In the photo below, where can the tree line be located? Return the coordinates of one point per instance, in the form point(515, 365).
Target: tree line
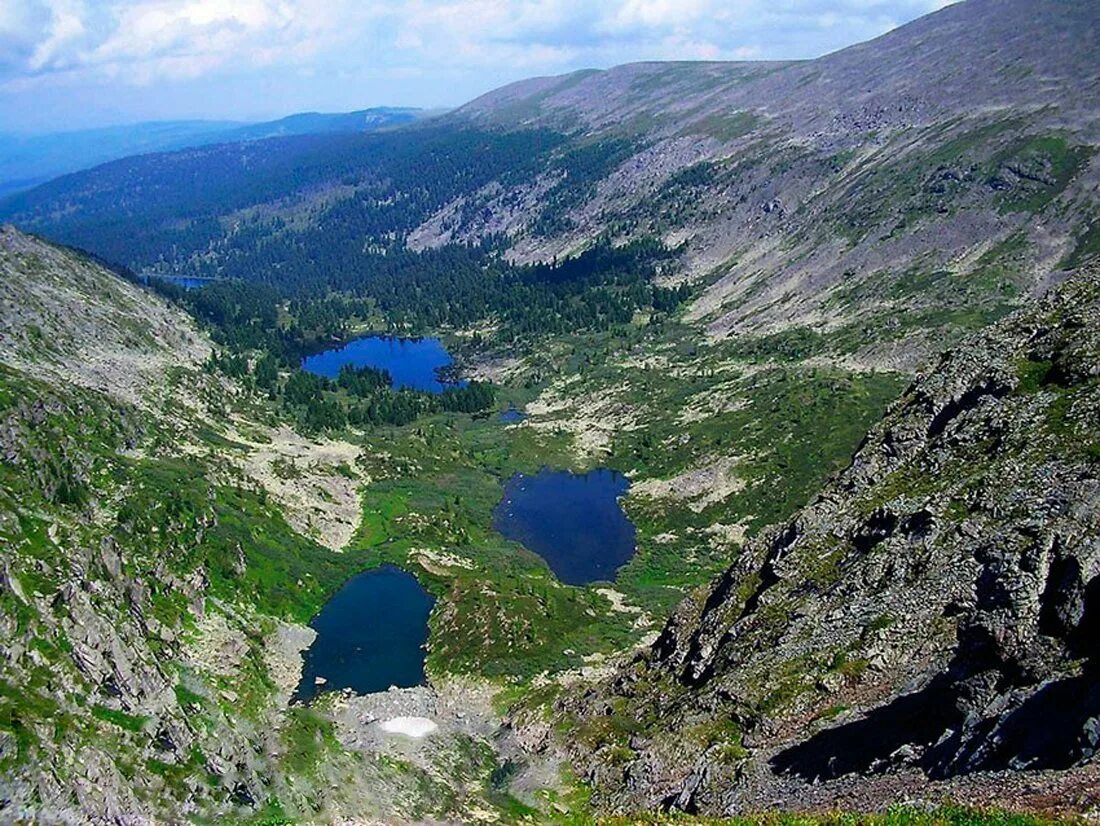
point(269, 326)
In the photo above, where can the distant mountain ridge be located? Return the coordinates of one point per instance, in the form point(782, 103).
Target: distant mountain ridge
point(28, 160)
point(994, 53)
point(871, 204)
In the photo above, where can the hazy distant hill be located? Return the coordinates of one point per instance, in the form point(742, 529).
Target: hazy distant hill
point(28, 160)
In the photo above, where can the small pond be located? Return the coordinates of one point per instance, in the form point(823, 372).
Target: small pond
point(185, 281)
point(370, 635)
point(512, 415)
point(574, 522)
point(412, 362)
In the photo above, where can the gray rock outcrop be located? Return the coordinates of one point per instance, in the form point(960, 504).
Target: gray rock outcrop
point(932, 614)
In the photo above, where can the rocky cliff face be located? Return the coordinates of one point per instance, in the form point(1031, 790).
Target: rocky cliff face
point(930, 618)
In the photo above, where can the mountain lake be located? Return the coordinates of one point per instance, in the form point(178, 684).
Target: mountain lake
point(573, 521)
point(370, 636)
point(411, 362)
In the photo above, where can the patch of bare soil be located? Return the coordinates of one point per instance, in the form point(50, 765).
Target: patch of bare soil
point(314, 480)
point(592, 419)
point(714, 401)
point(725, 536)
point(700, 487)
point(495, 370)
point(619, 605)
point(438, 562)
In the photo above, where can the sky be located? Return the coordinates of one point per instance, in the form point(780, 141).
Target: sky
point(71, 64)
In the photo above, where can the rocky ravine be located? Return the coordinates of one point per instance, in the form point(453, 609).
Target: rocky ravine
point(927, 626)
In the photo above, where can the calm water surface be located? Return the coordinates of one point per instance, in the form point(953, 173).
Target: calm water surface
point(574, 522)
point(412, 362)
point(185, 281)
point(370, 635)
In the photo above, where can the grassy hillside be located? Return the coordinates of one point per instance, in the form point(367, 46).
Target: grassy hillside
point(156, 572)
point(714, 278)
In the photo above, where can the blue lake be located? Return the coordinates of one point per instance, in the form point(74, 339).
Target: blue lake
point(512, 415)
point(574, 522)
point(185, 281)
point(370, 635)
point(412, 362)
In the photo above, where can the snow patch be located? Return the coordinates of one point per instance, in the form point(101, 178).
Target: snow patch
point(409, 726)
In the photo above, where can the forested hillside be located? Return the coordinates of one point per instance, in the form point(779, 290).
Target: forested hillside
point(867, 225)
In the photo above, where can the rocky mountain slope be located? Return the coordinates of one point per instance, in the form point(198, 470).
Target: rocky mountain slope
point(941, 169)
point(67, 320)
point(156, 566)
point(936, 65)
point(925, 627)
point(870, 204)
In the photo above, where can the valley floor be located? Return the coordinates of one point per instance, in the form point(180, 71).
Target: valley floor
point(166, 546)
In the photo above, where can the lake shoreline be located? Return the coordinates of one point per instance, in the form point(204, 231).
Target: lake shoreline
point(371, 635)
point(573, 521)
point(415, 363)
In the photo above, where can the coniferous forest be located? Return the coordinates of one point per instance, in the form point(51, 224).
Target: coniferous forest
point(267, 328)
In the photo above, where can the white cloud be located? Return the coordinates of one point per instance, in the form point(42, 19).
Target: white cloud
point(658, 14)
point(141, 40)
point(22, 26)
point(66, 27)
